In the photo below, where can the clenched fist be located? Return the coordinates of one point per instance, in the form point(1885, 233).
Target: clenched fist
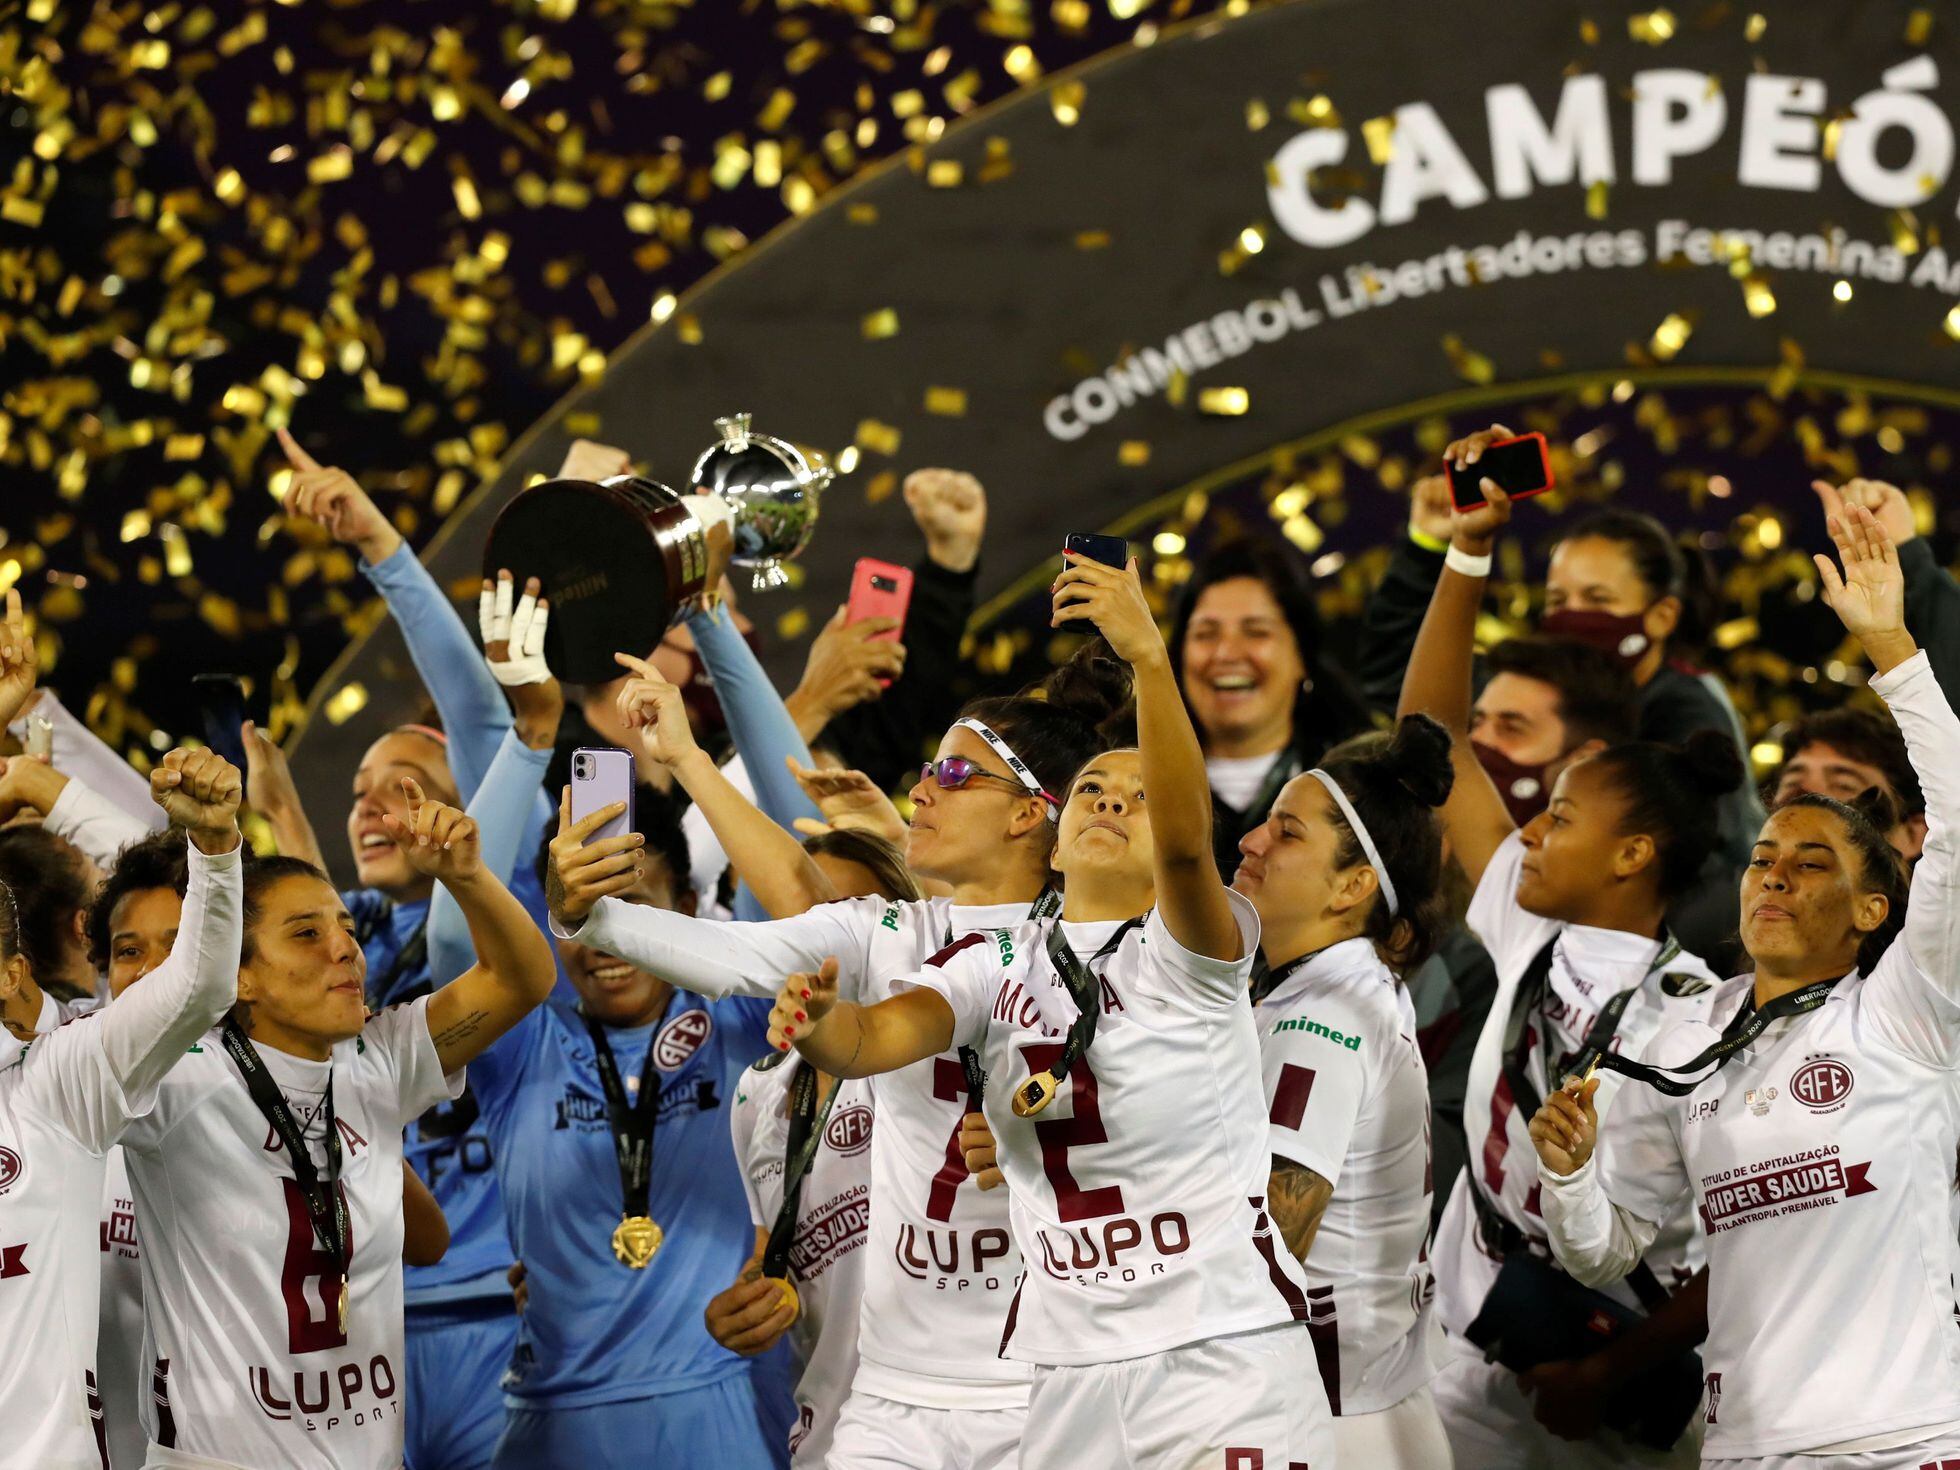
point(950, 507)
point(200, 790)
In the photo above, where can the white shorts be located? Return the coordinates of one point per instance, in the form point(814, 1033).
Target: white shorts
point(1490, 1426)
point(882, 1434)
point(1928, 1454)
point(1405, 1436)
point(1251, 1401)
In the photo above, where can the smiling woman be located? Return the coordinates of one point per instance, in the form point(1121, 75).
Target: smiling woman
point(1245, 644)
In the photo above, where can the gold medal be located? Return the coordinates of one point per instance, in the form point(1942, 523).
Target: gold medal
point(636, 1240)
point(1035, 1094)
point(343, 1306)
point(789, 1295)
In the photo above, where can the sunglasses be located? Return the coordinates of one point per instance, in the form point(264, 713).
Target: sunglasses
point(954, 771)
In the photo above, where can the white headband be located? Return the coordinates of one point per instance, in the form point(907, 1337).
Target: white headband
point(1015, 764)
point(1360, 830)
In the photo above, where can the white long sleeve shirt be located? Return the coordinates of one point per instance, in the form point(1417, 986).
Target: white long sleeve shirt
point(1820, 1165)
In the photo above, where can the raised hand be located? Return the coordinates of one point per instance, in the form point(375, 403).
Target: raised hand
point(655, 708)
point(513, 643)
point(950, 507)
point(19, 663)
point(1887, 502)
point(848, 665)
point(1869, 596)
point(199, 790)
point(28, 784)
point(269, 785)
point(977, 1148)
point(750, 1316)
point(330, 497)
point(1112, 599)
point(850, 802)
point(439, 841)
point(587, 460)
point(804, 1000)
point(1430, 507)
point(581, 873)
point(1565, 1129)
point(1474, 530)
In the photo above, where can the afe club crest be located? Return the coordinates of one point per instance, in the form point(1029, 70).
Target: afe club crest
point(11, 1168)
point(1821, 1084)
point(680, 1039)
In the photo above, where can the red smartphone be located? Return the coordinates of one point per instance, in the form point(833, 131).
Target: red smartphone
point(1522, 468)
point(879, 590)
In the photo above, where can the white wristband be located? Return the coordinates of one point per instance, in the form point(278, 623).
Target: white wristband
point(1464, 564)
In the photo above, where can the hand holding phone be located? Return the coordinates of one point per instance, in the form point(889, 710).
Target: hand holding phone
point(1111, 551)
point(1519, 465)
point(880, 590)
point(602, 775)
point(221, 707)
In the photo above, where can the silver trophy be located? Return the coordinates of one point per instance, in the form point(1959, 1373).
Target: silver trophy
point(771, 488)
point(622, 558)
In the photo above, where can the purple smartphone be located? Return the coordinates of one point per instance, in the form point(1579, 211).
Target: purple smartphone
point(601, 776)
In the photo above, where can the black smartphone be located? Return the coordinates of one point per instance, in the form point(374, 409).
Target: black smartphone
point(221, 705)
point(1521, 467)
point(1111, 551)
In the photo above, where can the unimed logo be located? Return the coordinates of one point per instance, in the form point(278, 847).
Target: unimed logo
point(1821, 1084)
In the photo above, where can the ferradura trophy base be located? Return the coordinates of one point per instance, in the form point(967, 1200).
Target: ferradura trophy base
point(619, 559)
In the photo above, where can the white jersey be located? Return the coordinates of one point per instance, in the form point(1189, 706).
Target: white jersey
point(249, 1366)
point(121, 1377)
point(1138, 1196)
point(1589, 967)
point(1820, 1163)
point(826, 1257)
point(64, 1101)
point(941, 1267)
point(1348, 1098)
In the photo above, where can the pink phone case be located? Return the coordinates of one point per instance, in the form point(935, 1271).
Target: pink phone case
point(601, 776)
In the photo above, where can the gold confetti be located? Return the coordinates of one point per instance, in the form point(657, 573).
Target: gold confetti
point(1757, 296)
point(1133, 452)
point(1919, 27)
point(1379, 134)
point(346, 702)
point(944, 173)
point(1471, 366)
point(1092, 240)
point(1670, 336)
point(1256, 115)
point(1757, 24)
point(1224, 402)
point(1065, 100)
point(1651, 27)
point(876, 437)
point(880, 323)
point(946, 402)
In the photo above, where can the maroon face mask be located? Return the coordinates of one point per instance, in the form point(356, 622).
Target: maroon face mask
point(1524, 790)
point(1622, 636)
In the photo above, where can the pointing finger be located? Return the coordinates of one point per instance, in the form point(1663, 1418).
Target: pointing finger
point(297, 457)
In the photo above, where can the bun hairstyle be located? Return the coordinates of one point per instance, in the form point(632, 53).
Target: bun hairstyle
point(1395, 783)
point(1058, 724)
point(1672, 794)
point(1866, 821)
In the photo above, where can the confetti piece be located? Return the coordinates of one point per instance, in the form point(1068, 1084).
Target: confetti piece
point(877, 437)
point(1224, 402)
point(1065, 100)
point(1670, 336)
point(1651, 27)
point(1133, 452)
point(946, 402)
point(879, 324)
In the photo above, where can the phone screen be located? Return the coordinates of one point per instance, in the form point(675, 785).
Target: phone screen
point(1111, 551)
point(1518, 466)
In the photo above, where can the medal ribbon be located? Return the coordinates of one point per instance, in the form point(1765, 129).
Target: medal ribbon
point(326, 1205)
point(631, 1122)
point(1746, 1025)
point(806, 1127)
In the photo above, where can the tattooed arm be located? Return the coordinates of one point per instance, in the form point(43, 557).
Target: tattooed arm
point(1296, 1198)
